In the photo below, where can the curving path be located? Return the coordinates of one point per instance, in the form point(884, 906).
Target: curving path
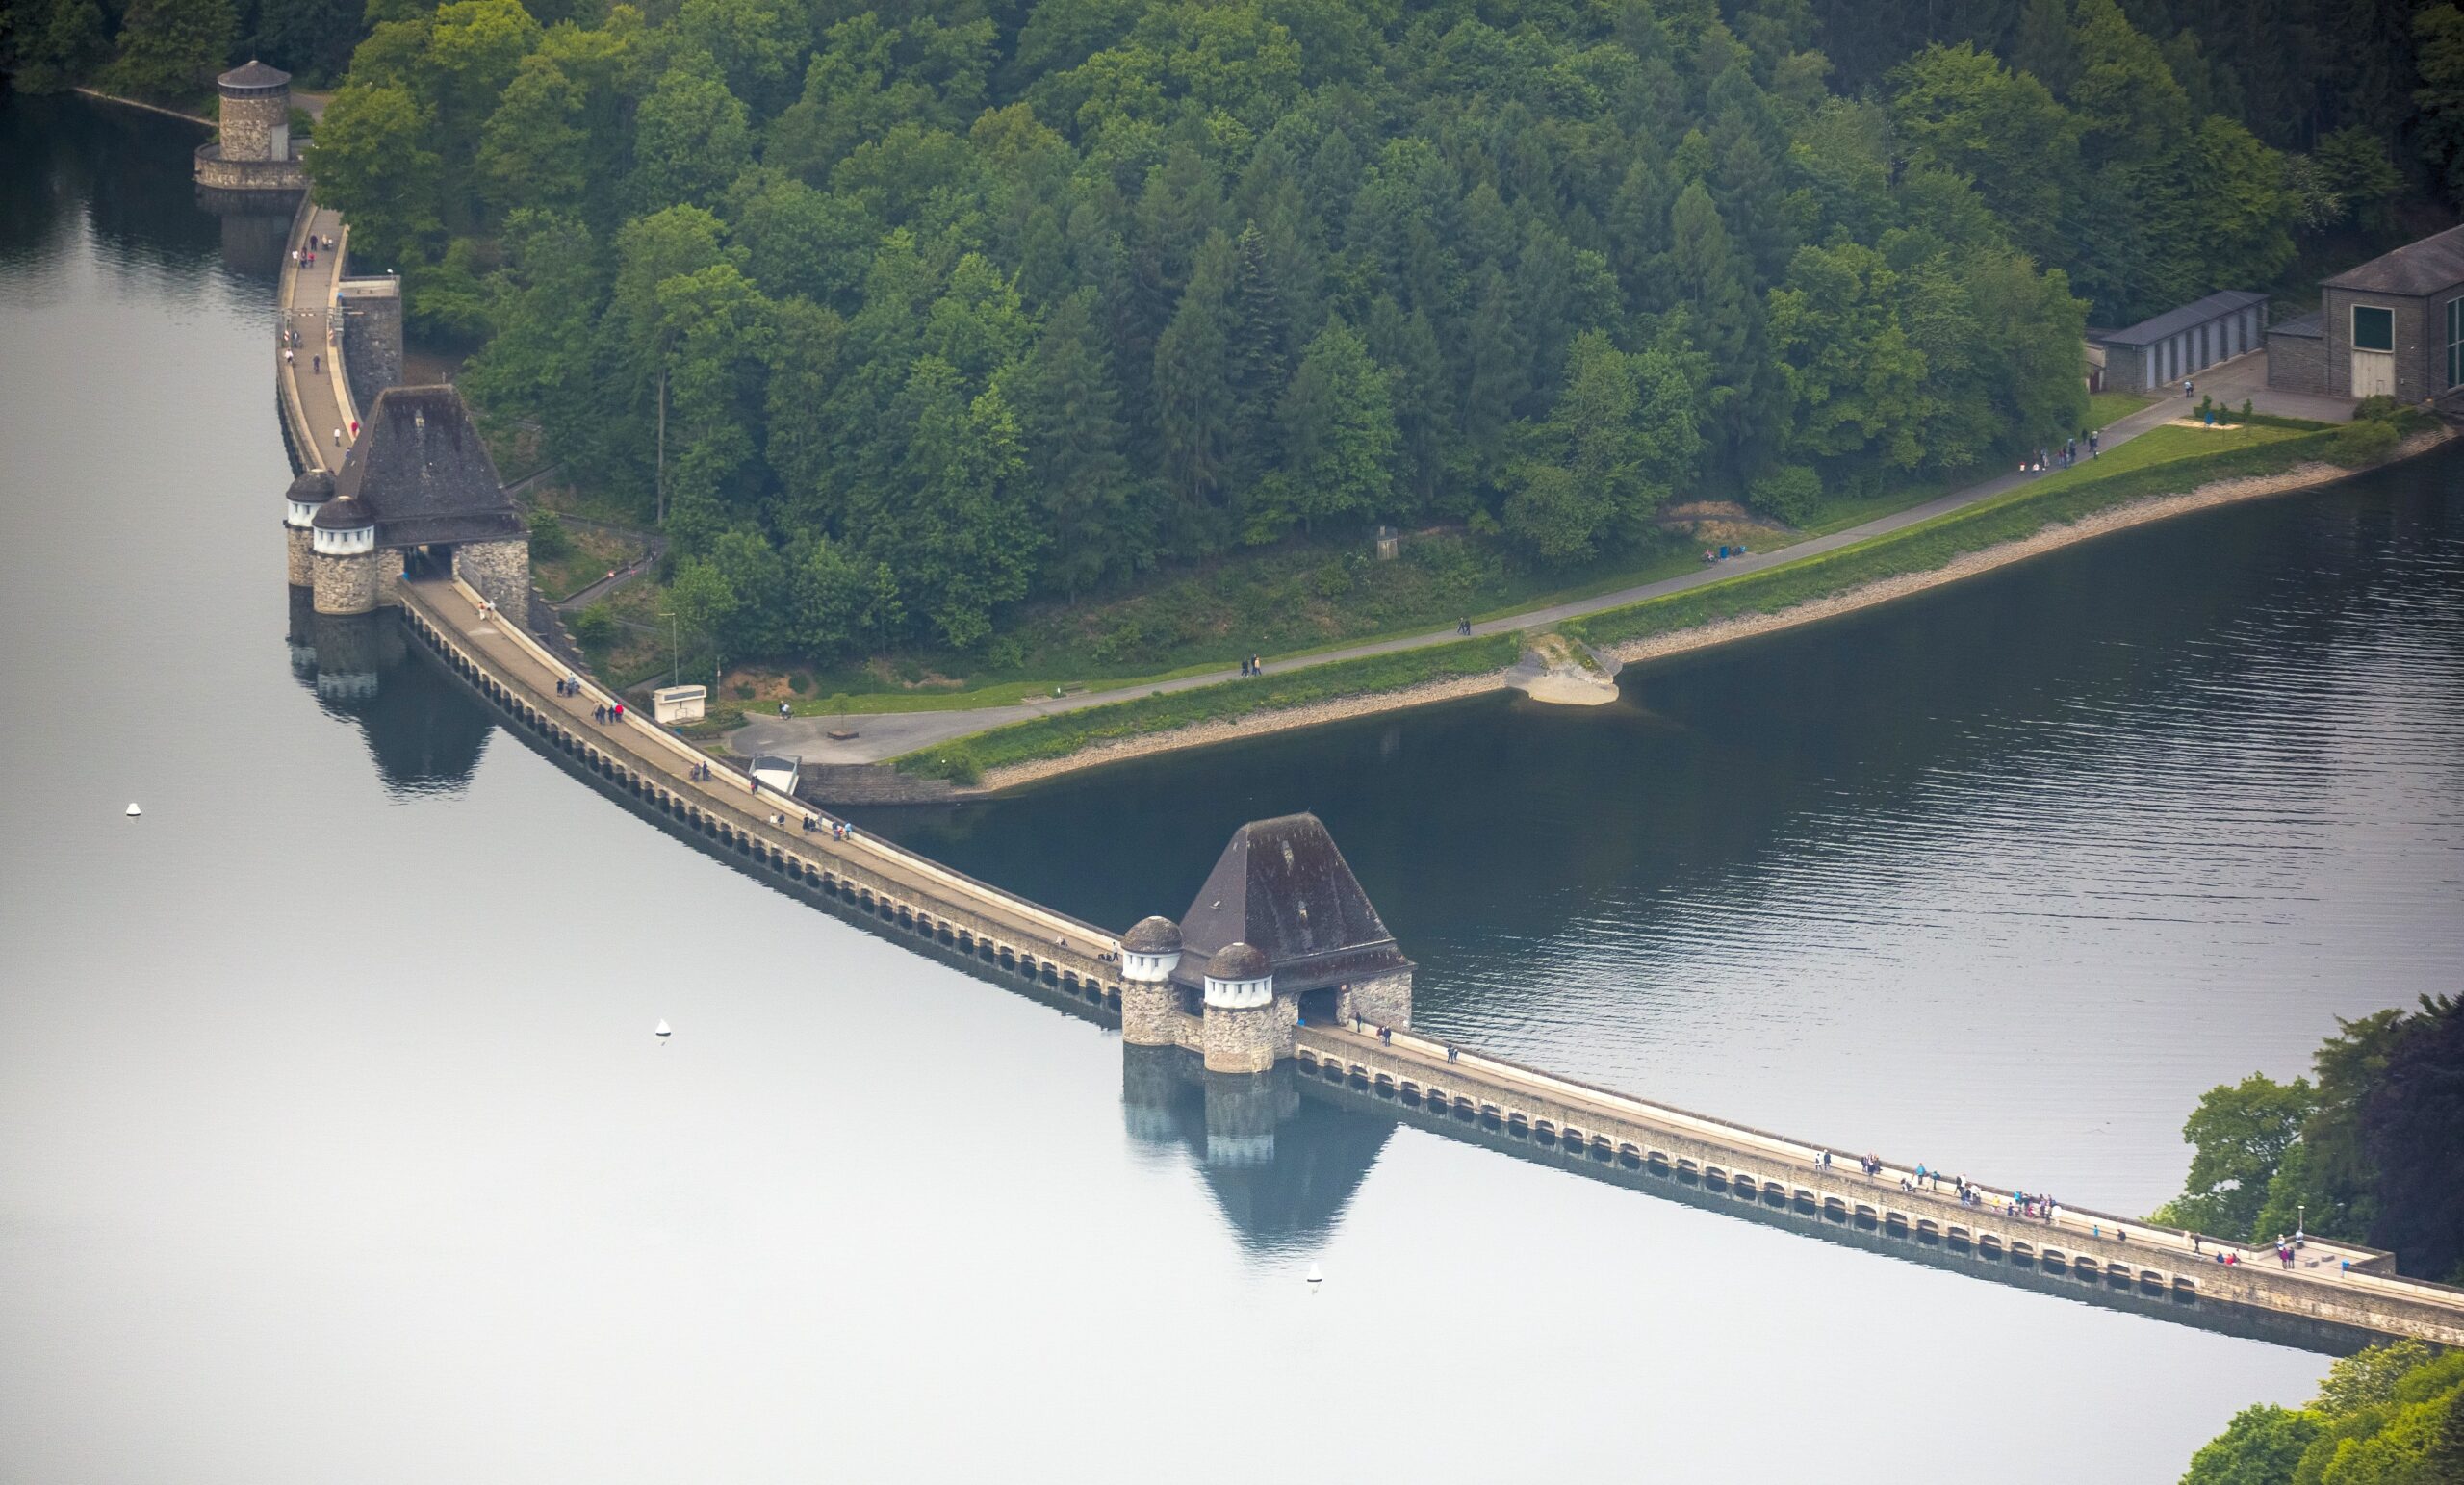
point(882, 735)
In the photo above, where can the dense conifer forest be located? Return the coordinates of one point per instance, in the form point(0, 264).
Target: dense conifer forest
point(898, 315)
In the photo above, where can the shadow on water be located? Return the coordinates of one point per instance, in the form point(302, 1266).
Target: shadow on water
point(1283, 1153)
point(425, 731)
point(1282, 1168)
point(1928, 1250)
point(126, 172)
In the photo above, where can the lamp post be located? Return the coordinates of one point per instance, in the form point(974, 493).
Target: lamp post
point(669, 615)
point(2300, 1224)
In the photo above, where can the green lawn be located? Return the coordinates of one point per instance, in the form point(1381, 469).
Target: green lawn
point(2107, 408)
point(2163, 446)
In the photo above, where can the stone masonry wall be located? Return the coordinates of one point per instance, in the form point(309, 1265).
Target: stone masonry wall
point(1147, 1012)
point(500, 569)
point(1385, 1001)
point(371, 344)
point(298, 561)
point(248, 124)
point(1245, 1040)
point(2297, 363)
point(346, 585)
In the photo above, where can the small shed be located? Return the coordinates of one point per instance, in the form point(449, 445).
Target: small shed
point(679, 703)
point(2183, 341)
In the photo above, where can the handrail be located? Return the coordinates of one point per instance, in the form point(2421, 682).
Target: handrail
point(1103, 941)
point(334, 331)
point(1574, 1090)
point(287, 373)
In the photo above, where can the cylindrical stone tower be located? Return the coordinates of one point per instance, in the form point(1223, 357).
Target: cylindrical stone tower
point(1148, 955)
point(301, 504)
point(1239, 1031)
point(256, 113)
point(343, 560)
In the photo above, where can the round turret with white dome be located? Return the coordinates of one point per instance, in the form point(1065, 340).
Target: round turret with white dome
point(1238, 978)
point(307, 493)
point(1151, 951)
point(343, 527)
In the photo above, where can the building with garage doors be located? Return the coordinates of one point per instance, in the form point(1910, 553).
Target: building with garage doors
point(2393, 326)
point(2181, 342)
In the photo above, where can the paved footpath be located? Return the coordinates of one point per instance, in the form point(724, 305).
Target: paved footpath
point(313, 377)
point(882, 735)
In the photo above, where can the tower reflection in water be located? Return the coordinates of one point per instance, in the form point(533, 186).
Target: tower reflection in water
point(426, 732)
point(1281, 1165)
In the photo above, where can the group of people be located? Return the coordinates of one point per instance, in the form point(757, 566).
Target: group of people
point(1722, 554)
point(611, 712)
point(570, 685)
point(699, 773)
point(2067, 456)
point(1253, 666)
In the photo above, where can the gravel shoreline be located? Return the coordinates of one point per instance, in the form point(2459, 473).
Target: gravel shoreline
point(2161, 507)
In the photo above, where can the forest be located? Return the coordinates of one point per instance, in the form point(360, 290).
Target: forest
point(897, 317)
point(2391, 1415)
point(2366, 1153)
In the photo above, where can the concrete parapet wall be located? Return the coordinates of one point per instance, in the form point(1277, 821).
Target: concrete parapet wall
point(871, 878)
point(1752, 1163)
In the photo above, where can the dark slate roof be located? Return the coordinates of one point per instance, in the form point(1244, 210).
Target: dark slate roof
point(1283, 887)
point(346, 514)
point(2173, 321)
point(310, 487)
point(2307, 326)
point(1238, 962)
point(253, 74)
point(2428, 267)
point(420, 466)
point(1153, 936)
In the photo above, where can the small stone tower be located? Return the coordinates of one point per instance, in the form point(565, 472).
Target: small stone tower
point(1241, 1031)
point(306, 496)
point(253, 150)
point(1149, 953)
point(343, 560)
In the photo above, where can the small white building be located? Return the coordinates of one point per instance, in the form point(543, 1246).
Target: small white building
point(671, 704)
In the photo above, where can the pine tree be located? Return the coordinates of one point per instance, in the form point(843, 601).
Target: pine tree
point(1068, 421)
point(1256, 360)
point(1196, 410)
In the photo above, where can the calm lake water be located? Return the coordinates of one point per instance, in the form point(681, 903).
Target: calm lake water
point(333, 1142)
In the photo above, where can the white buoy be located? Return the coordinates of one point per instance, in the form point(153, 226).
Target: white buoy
point(133, 810)
point(663, 1033)
point(1317, 1276)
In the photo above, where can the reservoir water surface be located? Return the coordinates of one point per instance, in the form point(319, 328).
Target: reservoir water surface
point(334, 1143)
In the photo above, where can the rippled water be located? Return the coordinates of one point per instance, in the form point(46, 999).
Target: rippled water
point(333, 1145)
point(1998, 877)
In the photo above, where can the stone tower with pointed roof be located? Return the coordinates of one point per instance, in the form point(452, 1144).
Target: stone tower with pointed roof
point(416, 489)
point(1280, 931)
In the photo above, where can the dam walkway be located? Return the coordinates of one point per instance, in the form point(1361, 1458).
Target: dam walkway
point(784, 838)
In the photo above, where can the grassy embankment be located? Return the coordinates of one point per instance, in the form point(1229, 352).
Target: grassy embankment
point(2161, 462)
